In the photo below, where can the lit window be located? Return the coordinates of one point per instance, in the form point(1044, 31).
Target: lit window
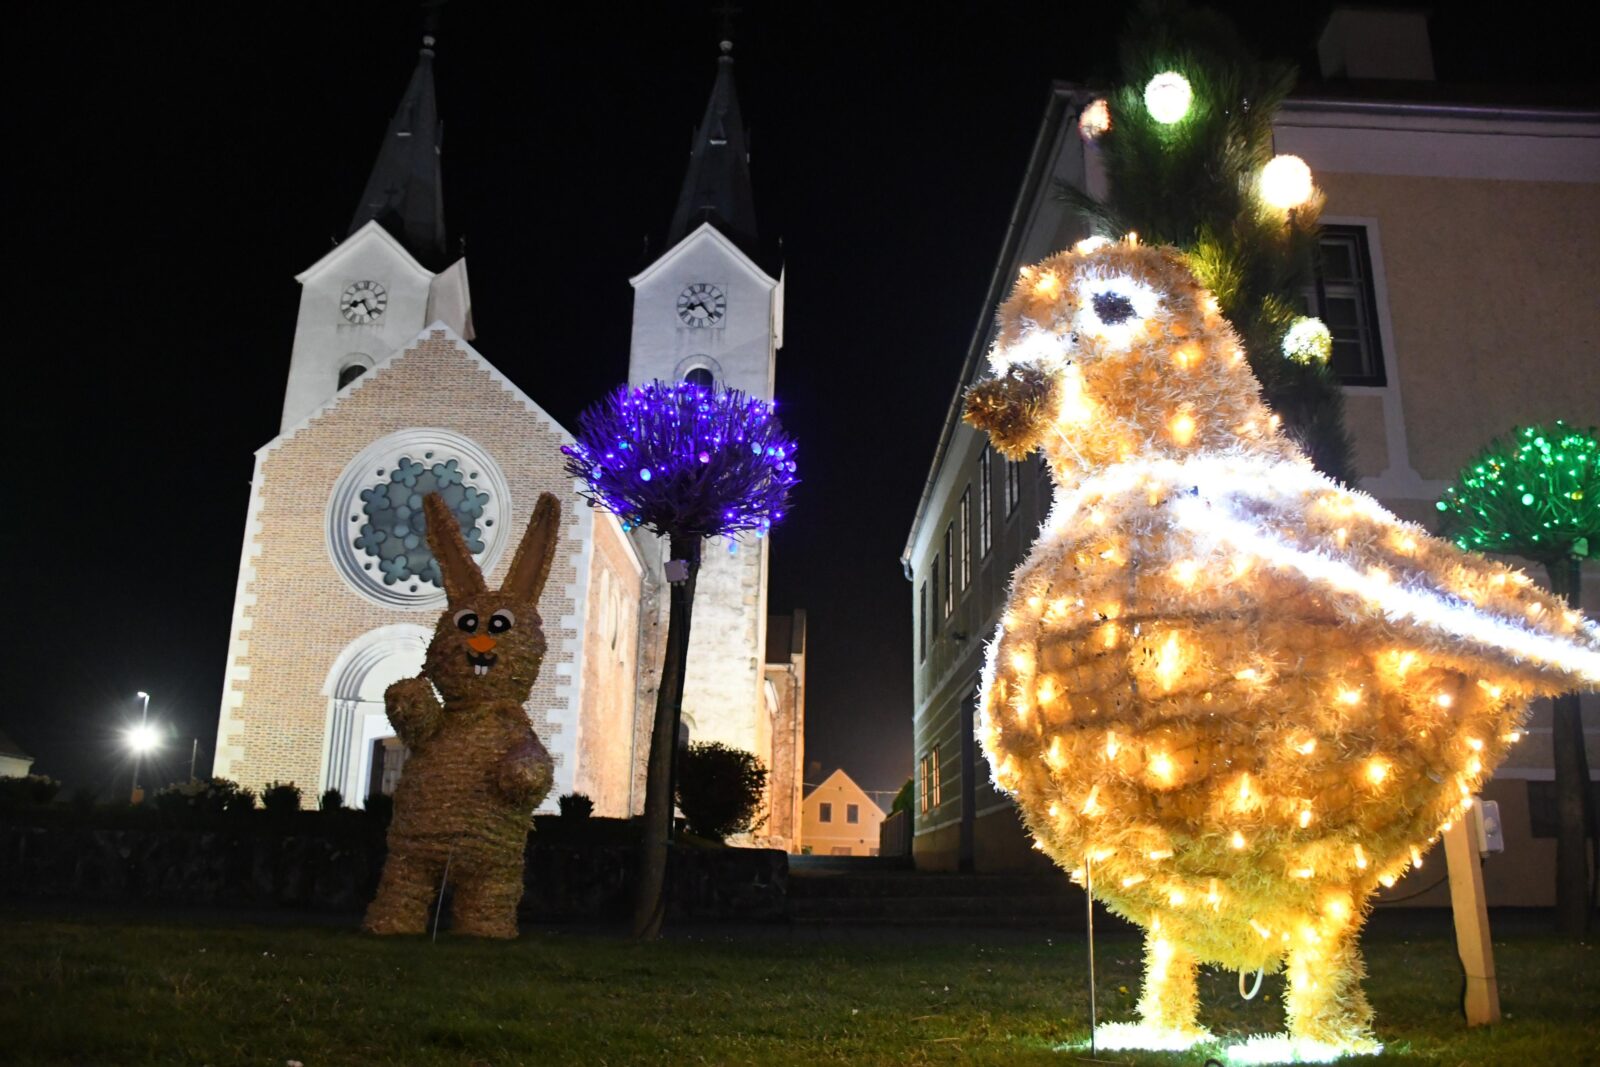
point(966, 538)
point(949, 569)
point(825, 812)
point(922, 623)
point(985, 502)
point(1344, 298)
point(852, 813)
point(1013, 487)
point(933, 774)
point(922, 785)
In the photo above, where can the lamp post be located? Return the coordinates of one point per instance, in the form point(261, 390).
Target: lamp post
point(141, 739)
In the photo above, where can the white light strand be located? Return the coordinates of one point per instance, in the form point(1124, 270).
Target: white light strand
point(1210, 512)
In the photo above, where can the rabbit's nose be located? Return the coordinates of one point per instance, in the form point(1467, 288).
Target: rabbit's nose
point(480, 644)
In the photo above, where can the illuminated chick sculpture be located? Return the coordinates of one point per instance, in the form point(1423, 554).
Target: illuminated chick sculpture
point(1237, 694)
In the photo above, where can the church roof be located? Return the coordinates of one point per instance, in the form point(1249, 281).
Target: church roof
point(404, 193)
point(716, 187)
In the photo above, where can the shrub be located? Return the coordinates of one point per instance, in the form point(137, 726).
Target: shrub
point(720, 790)
point(380, 808)
point(242, 802)
point(902, 799)
point(575, 806)
point(208, 796)
point(33, 791)
point(280, 798)
point(332, 800)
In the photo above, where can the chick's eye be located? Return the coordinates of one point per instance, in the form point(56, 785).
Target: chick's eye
point(1113, 309)
point(467, 620)
point(501, 621)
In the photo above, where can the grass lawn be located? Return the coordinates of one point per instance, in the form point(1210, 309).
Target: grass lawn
point(127, 991)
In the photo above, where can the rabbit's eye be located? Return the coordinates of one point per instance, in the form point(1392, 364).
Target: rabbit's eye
point(467, 620)
point(501, 621)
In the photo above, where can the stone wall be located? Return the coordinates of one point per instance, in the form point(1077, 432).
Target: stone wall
point(262, 868)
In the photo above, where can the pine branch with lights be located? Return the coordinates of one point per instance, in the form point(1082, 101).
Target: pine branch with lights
point(1187, 144)
point(687, 463)
point(1232, 694)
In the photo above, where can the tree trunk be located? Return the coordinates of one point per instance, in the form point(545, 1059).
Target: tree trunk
point(1572, 784)
point(649, 902)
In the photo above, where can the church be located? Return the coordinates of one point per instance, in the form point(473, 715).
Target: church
point(388, 399)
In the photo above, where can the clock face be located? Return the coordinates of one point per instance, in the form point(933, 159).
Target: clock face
point(363, 302)
point(702, 304)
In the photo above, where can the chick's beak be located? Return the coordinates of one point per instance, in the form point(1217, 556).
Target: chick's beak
point(1013, 410)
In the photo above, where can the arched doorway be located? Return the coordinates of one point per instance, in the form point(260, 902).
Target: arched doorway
point(357, 723)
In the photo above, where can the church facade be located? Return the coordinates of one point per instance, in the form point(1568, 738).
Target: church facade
point(388, 400)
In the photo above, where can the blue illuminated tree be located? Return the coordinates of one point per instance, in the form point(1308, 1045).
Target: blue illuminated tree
point(688, 463)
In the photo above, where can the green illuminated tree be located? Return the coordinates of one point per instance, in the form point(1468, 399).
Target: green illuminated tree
point(1536, 494)
point(1194, 181)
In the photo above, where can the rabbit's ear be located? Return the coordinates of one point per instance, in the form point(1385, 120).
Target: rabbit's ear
point(531, 565)
point(460, 572)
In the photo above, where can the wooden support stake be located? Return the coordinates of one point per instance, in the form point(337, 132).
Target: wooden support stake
point(1471, 912)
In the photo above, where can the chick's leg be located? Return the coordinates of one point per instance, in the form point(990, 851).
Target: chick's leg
point(1324, 1001)
point(1170, 999)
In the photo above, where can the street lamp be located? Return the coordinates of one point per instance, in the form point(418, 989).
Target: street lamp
point(141, 739)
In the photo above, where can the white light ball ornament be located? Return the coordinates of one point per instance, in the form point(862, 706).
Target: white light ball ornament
point(1286, 182)
point(1167, 97)
point(1095, 120)
point(1308, 341)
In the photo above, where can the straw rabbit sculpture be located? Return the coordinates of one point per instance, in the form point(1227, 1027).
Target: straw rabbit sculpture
point(476, 769)
point(1230, 693)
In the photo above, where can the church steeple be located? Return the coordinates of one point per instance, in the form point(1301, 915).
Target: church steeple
point(404, 193)
point(716, 188)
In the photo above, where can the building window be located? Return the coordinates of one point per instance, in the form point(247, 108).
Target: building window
point(985, 502)
point(1013, 487)
point(825, 812)
point(1344, 298)
point(700, 376)
point(350, 373)
point(852, 813)
point(966, 538)
point(922, 785)
point(922, 623)
point(933, 774)
point(949, 568)
point(936, 600)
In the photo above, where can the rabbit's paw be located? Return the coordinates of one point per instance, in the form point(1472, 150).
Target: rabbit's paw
point(413, 709)
point(526, 773)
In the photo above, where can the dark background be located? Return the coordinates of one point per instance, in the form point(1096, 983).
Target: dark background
point(173, 166)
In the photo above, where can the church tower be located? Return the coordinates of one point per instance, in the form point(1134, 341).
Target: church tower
point(710, 309)
point(378, 287)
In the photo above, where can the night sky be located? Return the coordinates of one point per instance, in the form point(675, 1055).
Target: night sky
point(173, 167)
